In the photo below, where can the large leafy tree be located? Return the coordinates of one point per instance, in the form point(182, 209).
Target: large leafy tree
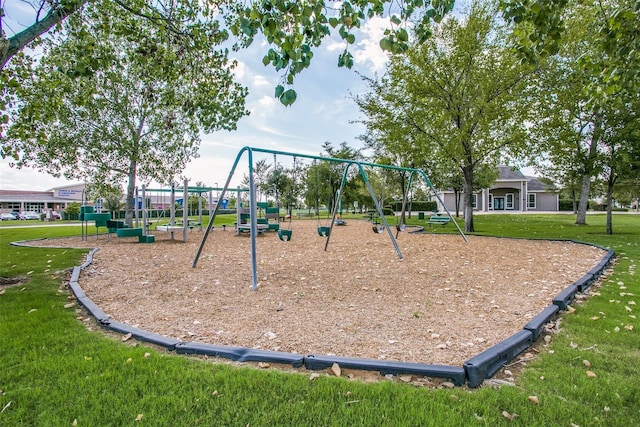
point(620, 156)
point(586, 114)
point(569, 128)
point(459, 99)
point(138, 115)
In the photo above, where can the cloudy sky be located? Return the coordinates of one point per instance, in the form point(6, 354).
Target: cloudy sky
point(324, 111)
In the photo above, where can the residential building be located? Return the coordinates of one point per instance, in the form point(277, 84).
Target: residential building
point(511, 192)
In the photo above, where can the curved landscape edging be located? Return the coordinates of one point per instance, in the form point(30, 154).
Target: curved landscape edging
point(473, 372)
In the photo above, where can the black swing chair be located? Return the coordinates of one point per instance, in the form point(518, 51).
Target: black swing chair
point(323, 230)
point(285, 235)
point(377, 227)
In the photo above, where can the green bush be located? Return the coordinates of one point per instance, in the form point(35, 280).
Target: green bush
point(565, 205)
point(71, 212)
point(418, 205)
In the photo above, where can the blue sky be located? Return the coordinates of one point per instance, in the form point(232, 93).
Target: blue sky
point(323, 111)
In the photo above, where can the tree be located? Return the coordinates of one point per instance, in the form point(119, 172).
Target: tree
point(580, 109)
point(113, 204)
point(569, 129)
point(461, 99)
point(621, 152)
point(334, 172)
point(138, 117)
point(261, 170)
point(542, 27)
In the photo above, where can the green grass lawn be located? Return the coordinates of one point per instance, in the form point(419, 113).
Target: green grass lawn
point(56, 369)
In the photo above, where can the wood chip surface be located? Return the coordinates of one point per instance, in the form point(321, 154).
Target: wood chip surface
point(443, 303)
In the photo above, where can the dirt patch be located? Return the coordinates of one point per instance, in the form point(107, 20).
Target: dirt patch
point(443, 303)
point(11, 281)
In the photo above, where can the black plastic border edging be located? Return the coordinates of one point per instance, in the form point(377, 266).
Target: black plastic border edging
point(240, 354)
point(564, 298)
point(536, 324)
point(487, 363)
point(455, 374)
point(75, 287)
point(94, 310)
point(142, 335)
point(475, 370)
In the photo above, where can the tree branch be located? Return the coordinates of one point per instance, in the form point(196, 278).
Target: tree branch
point(17, 42)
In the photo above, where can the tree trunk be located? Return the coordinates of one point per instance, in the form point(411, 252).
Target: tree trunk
point(581, 216)
point(589, 168)
point(609, 207)
point(610, 185)
point(131, 187)
point(467, 171)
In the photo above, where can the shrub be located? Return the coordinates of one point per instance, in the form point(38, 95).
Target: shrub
point(417, 205)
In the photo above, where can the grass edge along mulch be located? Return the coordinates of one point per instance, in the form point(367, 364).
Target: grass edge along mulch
point(54, 371)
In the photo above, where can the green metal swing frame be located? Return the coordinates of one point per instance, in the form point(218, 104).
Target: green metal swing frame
point(350, 163)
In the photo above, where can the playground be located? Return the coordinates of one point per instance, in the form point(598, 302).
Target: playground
point(442, 303)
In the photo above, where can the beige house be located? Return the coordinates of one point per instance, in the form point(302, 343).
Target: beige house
point(511, 192)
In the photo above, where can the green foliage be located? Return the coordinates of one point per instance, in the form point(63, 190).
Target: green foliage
point(457, 105)
point(113, 203)
point(118, 98)
point(586, 135)
point(539, 26)
point(565, 205)
point(294, 29)
point(417, 205)
point(72, 210)
point(543, 25)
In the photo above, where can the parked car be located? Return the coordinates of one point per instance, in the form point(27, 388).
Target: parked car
point(15, 214)
point(7, 217)
point(29, 215)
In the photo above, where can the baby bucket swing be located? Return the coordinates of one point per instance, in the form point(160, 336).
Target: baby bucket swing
point(285, 235)
point(323, 230)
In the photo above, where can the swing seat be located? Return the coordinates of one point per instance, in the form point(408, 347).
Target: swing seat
point(401, 227)
point(284, 235)
point(324, 231)
point(378, 229)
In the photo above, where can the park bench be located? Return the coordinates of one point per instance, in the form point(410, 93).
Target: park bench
point(439, 220)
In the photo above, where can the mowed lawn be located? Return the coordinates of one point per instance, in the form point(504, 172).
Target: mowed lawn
point(58, 369)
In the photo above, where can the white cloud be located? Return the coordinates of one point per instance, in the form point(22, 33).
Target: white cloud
point(240, 71)
point(260, 80)
point(368, 48)
point(366, 51)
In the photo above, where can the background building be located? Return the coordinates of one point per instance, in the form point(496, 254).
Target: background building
point(512, 191)
point(55, 199)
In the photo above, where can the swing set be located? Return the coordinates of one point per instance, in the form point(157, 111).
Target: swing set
point(323, 230)
point(285, 235)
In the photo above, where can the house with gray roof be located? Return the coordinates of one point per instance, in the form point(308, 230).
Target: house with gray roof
point(511, 192)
